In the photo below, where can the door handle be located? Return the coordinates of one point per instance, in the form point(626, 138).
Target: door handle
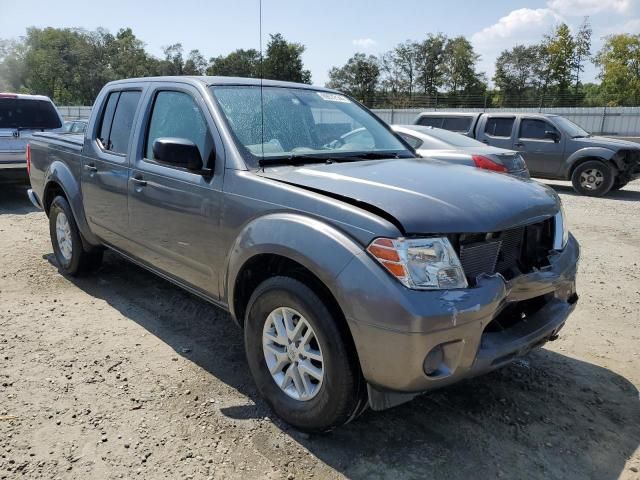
point(138, 181)
point(518, 144)
point(91, 168)
point(485, 141)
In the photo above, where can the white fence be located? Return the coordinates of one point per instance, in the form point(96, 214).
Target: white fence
point(619, 121)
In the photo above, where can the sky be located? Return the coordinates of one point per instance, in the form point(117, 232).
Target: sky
point(331, 30)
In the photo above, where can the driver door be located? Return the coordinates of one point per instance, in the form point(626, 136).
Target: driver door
point(543, 153)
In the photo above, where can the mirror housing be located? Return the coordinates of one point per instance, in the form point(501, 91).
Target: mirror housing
point(177, 152)
point(550, 134)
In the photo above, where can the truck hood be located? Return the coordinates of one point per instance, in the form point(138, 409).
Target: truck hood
point(428, 197)
point(607, 142)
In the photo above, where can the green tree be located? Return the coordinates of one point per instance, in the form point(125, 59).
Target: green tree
point(619, 62)
point(515, 74)
point(460, 67)
point(173, 62)
point(12, 68)
point(239, 63)
point(406, 57)
point(430, 63)
point(582, 50)
point(283, 60)
point(126, 56)
point(560, 48)
point(359, 77)
point(195, 64)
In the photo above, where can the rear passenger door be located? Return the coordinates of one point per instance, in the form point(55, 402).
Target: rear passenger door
point(173, 212)
point(541, 145)
point(497, 131)
point(105, 166)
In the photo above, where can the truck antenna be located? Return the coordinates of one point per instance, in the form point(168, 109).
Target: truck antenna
point(261, 89)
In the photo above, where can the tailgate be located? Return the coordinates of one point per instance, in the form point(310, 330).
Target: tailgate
point(12, 141)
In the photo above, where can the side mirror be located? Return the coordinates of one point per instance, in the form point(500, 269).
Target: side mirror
point(177, 152)
point(552, 135)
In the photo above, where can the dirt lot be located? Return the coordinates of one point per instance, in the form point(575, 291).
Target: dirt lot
point(122, 375)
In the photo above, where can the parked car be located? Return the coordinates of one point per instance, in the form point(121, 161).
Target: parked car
point(74, 126)
point(20, 116)
point(361, 275)
point(439, 144)
point(552, 146)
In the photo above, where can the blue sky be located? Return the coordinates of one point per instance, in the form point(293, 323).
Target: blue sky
point(331, 30)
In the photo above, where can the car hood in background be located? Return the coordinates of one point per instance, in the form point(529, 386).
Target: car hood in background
point(606, 142)
point(429, 197)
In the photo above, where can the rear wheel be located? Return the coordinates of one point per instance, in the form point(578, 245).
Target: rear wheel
point(66, 240)
point(300, 358)
point(592, 178)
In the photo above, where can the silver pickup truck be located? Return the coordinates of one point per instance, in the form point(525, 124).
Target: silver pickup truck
point(552, 146)
point(361, 274)
point(20, 117)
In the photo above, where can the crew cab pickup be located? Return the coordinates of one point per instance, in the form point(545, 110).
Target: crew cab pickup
point(361, 274)
point(552, 146)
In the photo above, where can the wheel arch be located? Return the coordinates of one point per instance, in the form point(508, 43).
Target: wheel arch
point(599, 154)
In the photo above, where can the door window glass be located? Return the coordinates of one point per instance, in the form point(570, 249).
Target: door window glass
point(107, 119)
point(123, 121)
point(430, 121)
point(457, 124)
point(499, 127)
point(176, 114)
point(535, 129)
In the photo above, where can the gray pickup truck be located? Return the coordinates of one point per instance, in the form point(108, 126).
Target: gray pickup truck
point(552, 146)
point(361, 275)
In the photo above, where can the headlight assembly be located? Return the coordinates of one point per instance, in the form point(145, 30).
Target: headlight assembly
point(420, 263)
point(561, 234)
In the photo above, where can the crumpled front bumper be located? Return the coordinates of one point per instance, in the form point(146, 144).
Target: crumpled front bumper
point(394, 328)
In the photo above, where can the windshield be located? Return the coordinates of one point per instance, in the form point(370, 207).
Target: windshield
point(23, 113)
point(300, 123)
point(448, 138)
point(570, 128)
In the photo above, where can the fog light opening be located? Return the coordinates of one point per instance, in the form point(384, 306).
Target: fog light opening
point(434, 362)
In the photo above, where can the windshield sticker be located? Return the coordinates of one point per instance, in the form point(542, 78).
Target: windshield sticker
point(333, 97)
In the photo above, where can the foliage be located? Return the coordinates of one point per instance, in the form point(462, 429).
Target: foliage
point(283, 61)
point(239, 63)
point(359, 77)
point(619, 61)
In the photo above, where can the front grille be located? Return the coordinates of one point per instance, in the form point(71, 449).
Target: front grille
point(510, 252)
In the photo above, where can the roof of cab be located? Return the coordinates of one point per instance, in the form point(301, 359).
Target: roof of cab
point(24, 96)
point(210, 80)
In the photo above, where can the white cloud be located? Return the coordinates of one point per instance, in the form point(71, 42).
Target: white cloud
point(524, 26)
point(580, 8)
point(365, 43)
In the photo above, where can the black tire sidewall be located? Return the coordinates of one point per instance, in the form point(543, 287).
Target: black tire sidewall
point(607, 184)
point(72, 267)
point(332, 405)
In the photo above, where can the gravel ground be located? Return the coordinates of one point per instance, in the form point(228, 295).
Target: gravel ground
point(122, 375)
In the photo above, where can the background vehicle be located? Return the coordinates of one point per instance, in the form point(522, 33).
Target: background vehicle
point(348, 264)
point(74, 126)
point(447, 146)
point(552, 146)
point(20, 116)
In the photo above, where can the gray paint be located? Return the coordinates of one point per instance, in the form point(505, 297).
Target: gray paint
point(200, 232)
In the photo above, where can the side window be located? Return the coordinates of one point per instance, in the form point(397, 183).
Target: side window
point(457, 124)
point(430, 122)
point(123, 121)
point(411, 140)
point(176, 114)
point(499, 127)
point(107, 119)
point(535, 129)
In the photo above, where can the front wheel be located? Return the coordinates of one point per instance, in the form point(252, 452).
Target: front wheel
point(300, 358)
point(593, 178)
point(66, 241)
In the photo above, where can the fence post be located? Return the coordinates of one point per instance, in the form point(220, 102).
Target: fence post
point(436, 107)
point(392, 115)
point(604, 118)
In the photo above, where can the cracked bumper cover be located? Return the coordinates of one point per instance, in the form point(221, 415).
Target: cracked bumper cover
point(394, 328)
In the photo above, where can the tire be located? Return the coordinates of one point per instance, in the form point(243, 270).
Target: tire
point(339, 396)
point(618, 185)
point(592, 178)
point(72, 258)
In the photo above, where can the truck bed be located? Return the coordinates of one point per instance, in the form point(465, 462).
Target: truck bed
point(71, 141)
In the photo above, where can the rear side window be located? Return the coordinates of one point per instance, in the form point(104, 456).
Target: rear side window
point(499, 127)
point(535, 129)
point(457, 124)
point(123, 121)
point(23, 113)
point(117, 120)
point(176, 114)
point(430, 122)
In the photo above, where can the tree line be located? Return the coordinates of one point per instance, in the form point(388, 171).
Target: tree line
point(72, 65)
point(442, 71)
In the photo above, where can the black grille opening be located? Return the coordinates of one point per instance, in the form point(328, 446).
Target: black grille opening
point(510, 252)
point(515, 313)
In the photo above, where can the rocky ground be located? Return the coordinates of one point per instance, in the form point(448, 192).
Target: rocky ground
point(122, 375)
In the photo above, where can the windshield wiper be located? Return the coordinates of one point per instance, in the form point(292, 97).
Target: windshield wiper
point(295, 159)
point(372, 156)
